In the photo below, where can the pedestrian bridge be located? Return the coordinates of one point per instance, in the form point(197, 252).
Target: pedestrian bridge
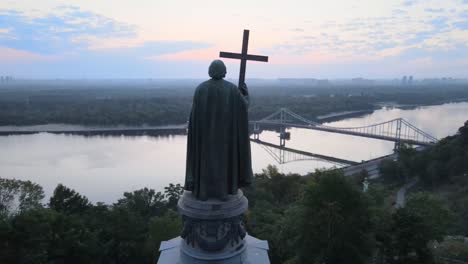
point(396, 130)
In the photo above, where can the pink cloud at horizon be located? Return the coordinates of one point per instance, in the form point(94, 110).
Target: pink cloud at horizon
point(206, 55)
point(15, 55)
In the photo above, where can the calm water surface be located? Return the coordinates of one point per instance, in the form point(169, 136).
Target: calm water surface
point(102, 168)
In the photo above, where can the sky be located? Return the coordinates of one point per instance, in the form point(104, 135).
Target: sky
point(331, 39)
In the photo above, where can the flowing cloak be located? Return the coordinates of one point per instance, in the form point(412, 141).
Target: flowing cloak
point(218, 144)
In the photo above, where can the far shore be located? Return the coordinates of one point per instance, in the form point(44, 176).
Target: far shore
point(178, 128)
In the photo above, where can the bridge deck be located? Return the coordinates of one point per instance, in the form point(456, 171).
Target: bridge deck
point(345, 132)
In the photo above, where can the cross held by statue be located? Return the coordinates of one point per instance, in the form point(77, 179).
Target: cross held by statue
point(243, 56)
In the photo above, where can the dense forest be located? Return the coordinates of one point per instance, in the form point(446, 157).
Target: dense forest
point(322, 217)
point(152, 103)
point(69, 229)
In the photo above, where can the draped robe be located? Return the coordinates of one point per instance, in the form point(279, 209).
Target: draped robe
point(218, 144)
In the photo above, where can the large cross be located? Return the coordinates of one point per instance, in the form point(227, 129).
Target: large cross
point(243, 56)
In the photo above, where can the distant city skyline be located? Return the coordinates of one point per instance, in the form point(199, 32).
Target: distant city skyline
point(374, 39)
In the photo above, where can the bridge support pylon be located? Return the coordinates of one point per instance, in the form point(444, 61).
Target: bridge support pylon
point(256, 131)
point(284, 136)
point(397, 146)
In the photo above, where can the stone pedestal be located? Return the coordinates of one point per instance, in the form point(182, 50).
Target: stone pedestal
point(213, 232)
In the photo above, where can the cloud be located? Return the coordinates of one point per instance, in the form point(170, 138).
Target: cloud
point(409, 2)
point(189, 55)
point(441, 55)
point(461, 24)
point(419, 37)
point(69, 41)
point(5, 30)
point(398, 39)
point(75, 42)
point(55, 33)
point(154, 48)
point(131, 62)
point(399, 12)
point(73, 31)
point(434, 10)
point(439, 23)
point(10, 55)
point(384, 45)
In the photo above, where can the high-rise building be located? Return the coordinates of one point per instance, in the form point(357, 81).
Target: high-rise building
point(404, 81)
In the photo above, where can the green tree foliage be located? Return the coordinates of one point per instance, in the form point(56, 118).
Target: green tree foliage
point(160, 229)
point(435, 165)
point(306, 219)
point(145, 202)
point(173, 193)
point(442, 169)
point(454, 248)
point(47, 236)
point(408, 234)
point(330, 220)
point(463, 131)
point(459, 207)
point(72, 230)
point(335, 225)
point(400, 170)
point(435, 212)
point(68, 201)
point(425, 218)
point(273, 200)
point(17, 195)
point(391, 171)
point(108, 104)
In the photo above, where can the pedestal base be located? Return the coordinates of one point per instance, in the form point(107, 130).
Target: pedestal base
point(214, 227)
point(213, 232)
point(255, 252)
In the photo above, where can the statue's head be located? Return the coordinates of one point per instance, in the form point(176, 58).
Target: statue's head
point(217, 70)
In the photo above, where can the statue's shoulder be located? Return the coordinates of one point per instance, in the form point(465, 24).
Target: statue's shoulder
point(202, 86)
point(229, 84)
point(224, 85)
point(212, 82)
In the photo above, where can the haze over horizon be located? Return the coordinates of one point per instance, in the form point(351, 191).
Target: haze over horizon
point(45, 39)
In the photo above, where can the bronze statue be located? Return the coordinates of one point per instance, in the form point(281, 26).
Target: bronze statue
point(218, 145)
point(218, 164)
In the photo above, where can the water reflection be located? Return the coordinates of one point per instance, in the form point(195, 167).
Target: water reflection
point(102, 168)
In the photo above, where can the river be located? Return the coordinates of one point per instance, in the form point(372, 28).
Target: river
point(103, 167)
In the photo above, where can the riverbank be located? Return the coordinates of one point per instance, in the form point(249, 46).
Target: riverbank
point(342, 115)
point(410, 106)
point(83, 130)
